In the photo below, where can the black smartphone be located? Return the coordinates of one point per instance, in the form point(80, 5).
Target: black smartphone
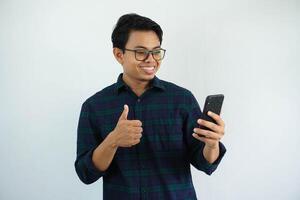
point(212, 103)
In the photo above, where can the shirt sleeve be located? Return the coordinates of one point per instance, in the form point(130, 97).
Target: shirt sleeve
point(195, 147)
point(87, 141)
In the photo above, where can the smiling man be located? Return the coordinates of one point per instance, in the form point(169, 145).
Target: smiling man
point(141, 133)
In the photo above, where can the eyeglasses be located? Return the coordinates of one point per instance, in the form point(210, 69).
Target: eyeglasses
point(143, 54)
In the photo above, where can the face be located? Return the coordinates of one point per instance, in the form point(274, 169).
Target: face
point(141, 71)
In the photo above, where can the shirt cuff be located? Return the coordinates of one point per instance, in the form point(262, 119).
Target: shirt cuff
point(207, 167)
point(90, 164)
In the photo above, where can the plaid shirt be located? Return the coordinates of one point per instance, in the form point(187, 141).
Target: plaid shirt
point(159, 166)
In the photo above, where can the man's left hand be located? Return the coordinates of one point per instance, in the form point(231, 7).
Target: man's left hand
point(210, 137)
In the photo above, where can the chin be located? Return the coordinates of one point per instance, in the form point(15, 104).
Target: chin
point(148, 76)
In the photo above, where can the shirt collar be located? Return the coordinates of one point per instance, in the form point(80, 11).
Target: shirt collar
point(155, 82)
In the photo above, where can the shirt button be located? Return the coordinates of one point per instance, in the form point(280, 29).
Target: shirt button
point(139, 100)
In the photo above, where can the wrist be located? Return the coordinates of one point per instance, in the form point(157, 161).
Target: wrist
point(112, 140)
point(212, 146)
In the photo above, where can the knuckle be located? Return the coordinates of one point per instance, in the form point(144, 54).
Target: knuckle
point(139, 129)
point(140, 123)
point(222, 131)
point(219, 129)
point(132, 130)
point(137, 123)
point(213, 126)
point(207, 133)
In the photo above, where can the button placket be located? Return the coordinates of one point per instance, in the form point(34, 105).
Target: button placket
point(138, 115)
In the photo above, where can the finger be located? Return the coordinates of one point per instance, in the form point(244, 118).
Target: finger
point(137, 130)
point(128, 145)
point(136, 141)
point(138, 136)
point(208, 134)
point(203, 139)
point(217, 118)
point(212, 126)
point(124, 113)
point(136, 123)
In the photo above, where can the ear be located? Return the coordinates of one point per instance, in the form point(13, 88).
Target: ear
point(118, 53)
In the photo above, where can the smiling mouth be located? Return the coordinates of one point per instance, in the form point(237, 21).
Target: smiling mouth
point(148, 70)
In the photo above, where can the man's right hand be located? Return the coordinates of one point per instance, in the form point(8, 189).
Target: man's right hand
point(127, 132)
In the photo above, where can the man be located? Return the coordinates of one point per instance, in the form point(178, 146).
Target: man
point(140, 134)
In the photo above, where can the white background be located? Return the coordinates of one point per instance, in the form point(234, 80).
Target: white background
point(55, 54)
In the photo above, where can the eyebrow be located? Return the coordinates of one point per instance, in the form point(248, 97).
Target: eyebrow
point(146, 47)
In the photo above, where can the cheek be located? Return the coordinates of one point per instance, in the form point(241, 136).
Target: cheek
point(158, 64)
point(131, 65)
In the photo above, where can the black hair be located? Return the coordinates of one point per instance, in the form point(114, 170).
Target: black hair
point(130, 22)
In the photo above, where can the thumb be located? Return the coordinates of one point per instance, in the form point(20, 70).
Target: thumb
point(124, 113)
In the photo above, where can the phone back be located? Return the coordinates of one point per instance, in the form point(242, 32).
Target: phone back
point(213, 103)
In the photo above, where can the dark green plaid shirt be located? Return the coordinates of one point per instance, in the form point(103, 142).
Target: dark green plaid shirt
point(159, 166)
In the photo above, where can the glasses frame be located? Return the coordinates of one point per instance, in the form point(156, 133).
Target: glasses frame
point(148, 53)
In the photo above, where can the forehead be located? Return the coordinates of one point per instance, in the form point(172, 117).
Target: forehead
point(147, 39)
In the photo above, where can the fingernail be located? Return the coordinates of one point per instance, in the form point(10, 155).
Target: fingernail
point(199, 121)
point(209, 112)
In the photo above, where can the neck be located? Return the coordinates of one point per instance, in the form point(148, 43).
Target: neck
point(136, 86)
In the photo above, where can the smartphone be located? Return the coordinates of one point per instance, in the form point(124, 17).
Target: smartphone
point(212, 103)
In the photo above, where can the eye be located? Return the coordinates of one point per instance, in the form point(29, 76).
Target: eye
point(141, 52)
point(157, 52)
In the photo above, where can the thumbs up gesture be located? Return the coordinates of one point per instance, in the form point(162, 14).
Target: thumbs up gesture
point(127, 132)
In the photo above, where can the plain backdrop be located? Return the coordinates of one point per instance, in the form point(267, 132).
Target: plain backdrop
point(55, 54)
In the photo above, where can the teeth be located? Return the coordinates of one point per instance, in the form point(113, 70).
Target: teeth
point(148, 69)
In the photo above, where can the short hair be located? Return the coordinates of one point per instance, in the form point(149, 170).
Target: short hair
point(131, 22)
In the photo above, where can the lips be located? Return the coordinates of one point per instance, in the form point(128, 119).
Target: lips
point(148, 70)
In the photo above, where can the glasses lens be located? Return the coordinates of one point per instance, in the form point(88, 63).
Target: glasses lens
point(158, 54)
point(141, 54)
